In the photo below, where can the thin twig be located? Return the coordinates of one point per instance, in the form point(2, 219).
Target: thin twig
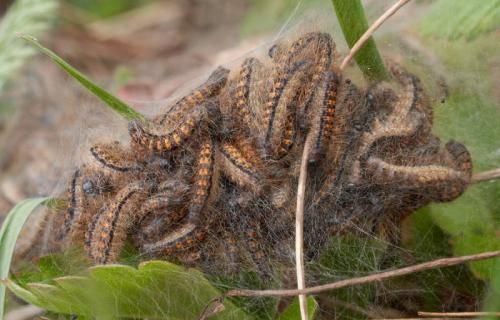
point(299, 228)
point(439, 263)
point(440, 318)
point(486, 176)
point(458, 314)
point(359, 44)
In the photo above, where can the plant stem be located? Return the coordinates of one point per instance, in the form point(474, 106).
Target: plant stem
point(352, 19)
point(299, 227)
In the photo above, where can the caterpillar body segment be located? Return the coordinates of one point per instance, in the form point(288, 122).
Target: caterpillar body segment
point(106, 234)
point(192, 229)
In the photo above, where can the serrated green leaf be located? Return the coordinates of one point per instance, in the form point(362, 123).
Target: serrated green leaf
point(292, 312)
point(9, 233)
point(454, 19)
point(156, 289)
point(110, 100)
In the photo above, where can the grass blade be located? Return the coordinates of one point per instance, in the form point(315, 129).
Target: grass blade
point(113, 102)
point(352, 20)
point(23, 16)
point(8, 235)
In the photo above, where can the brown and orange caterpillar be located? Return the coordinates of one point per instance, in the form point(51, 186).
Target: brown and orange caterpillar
point(189, 188)
point(107, 231)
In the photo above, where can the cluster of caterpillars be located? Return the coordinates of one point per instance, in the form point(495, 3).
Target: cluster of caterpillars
point(212, 179)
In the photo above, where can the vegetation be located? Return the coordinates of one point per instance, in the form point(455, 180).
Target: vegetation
point(459, 33)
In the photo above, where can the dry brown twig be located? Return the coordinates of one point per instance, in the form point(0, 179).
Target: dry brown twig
point(427, 315)
point(415, 318)
point(376, 277)
point(486, 176)
point(299, 228)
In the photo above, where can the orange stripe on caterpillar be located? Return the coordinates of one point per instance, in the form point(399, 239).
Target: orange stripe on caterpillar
point(75, 194)
point(289, 66)
point(147, 136)
point(113, 157)
point(242, 165)
point(280, 112)
point(348, 100)
point(241, 103)
point(156, 214)
point(284, 70)
point(446, 183)
point(212, 87)
point(323, 126)
point(316, 49)
point(88, 187)
point(203, 179)
point(107, 232)
point(322, 50)
point(192, 231)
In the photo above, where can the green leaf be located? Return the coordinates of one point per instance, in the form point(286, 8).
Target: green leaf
point(24, 16)
point(352, 19)
point(70, 261)
point(470, 224)
point(9, 232)
point(292, 312)
point(109, 8)
point(113, 102)
point(156, 289)
point(454, 19)
point(471, 116)
point(493, 299)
